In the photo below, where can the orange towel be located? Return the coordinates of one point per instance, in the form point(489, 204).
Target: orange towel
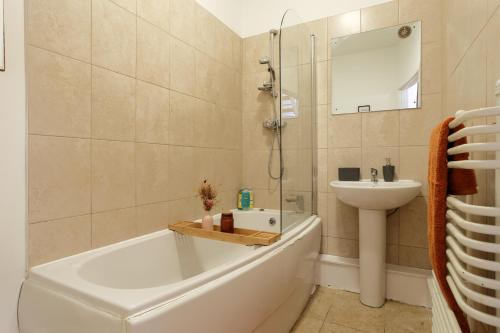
point(441, 183)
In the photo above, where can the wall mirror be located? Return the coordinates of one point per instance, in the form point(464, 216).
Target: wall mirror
point(2, 39)
point(376, 70)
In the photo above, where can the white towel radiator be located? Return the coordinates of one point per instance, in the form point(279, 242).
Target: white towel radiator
point(477, 294)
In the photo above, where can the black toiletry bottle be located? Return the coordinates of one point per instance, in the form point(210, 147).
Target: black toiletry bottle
point(388, 170)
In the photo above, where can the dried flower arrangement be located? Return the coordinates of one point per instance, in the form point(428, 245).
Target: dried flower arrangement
point(208, 195)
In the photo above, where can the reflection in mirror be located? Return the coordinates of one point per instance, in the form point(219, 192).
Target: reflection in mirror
point(376, 70)
point(2, 39)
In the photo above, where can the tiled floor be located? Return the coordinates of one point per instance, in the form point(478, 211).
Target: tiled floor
point(331, 310)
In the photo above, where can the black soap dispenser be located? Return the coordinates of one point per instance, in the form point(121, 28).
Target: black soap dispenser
point(388, 170)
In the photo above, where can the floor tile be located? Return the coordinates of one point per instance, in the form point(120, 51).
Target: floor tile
point(307, 324)
point(402, 318)
point(348, 311)
point(333, 310)
point(336, 328)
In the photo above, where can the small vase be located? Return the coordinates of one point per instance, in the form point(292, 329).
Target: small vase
point(207, 222)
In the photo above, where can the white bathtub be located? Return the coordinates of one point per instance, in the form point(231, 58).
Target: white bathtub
point(166, 282)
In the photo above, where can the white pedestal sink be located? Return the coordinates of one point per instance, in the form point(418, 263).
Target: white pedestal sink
point(373, 200)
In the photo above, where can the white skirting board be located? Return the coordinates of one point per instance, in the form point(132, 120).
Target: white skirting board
point(404, 284)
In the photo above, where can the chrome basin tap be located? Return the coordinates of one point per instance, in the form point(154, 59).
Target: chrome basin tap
point(374, 173)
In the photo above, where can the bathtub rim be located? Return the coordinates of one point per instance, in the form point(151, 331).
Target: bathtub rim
point(127, 302)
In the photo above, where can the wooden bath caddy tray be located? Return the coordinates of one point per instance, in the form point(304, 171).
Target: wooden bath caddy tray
point(240, 236)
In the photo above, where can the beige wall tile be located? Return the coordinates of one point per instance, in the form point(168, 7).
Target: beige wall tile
point(228, 127)
point(381, 128)
point(255, 168)
point(413, 224)
point(129, 5)
point(492, 6)
point(323, 179)
point(227, 173)
point(182, 18)
point(414, 161)
point(465, 19)
point(344, 130)
point(113, 226)
point(205, 31)
point(156, 12)
point(431, 68)
point(228, 85)
point(324, 245)
point(113, 37)
point(268, 199)
point(58, 94)
point(322, 77)
point(493, 56)
point(183, 109)
point(414, 257)
point(205, 72)
point(256, 103)
point(392, 254)
point(62, 26)
point(237, 43)
point(223, 43)
point(113, 184)
point(182, 71)
point(375, 157)
point(343, 247)
point(113, 105)
point(342, 219)
point(255, 48)
point(183, 172)
point(470, 78)
point(428, 11)
point(59, 238)
point(153, 54)
point(152, 113)
point(322, 126)
point(320, 29)
point(415, 126)
point(342, 158)
point(379, 16)
point(186, 209)
point(323, 212)
point(58, 177)
point(151, 218)
point(151, 173)
point(344, 24)
point(392, 233)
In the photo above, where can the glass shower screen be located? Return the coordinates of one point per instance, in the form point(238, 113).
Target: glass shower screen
point(296, 115)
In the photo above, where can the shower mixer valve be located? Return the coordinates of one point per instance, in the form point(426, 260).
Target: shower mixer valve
point(273, 124)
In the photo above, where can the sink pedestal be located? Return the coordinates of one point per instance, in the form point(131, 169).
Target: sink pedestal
point(372, 237)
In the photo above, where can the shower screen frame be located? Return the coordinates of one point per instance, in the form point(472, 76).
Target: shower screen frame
point(302, 68)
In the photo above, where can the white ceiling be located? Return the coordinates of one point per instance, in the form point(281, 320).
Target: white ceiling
point(252, 17)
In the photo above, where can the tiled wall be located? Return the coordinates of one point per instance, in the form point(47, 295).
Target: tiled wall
point(356, 139)
point(367, 139)
point(132, 103)
point(472, 66)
